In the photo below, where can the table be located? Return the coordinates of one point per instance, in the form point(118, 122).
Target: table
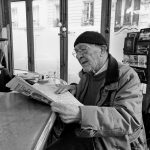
point(24, 122)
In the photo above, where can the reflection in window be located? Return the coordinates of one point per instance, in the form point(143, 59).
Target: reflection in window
point(118, 14)
point(88, 13)
point(135, 19)
point(36, 22)
point(131, 15)
point(127, 13)
point(14, 13)
point(56, 18)
point(53, 10)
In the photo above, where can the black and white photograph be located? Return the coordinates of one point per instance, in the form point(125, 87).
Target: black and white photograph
point(74, 74)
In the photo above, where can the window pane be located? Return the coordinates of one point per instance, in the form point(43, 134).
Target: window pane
point(88, 13)
point(46, 39)
point(18, 15)
point(78, 12)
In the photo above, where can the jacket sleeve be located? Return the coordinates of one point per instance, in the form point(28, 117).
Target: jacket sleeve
point(122, 117)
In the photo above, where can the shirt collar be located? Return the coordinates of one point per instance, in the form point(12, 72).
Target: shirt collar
point(103, 68)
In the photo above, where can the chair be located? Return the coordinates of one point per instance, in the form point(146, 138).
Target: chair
point(146, 120)
point(4, 78)
point(4, 73)
point(2, 58)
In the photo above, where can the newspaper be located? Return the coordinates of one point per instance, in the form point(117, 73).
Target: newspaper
point(41, 92)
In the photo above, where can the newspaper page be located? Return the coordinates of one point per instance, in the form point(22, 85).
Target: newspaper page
point(42, 92)
point(49, 90)
point(20, 85)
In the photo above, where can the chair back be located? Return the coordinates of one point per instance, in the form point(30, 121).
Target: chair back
point(4, 78)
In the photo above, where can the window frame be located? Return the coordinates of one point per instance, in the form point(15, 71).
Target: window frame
point(87, 13)
point(105, 22)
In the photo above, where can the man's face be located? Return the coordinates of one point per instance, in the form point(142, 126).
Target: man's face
point(89, 56)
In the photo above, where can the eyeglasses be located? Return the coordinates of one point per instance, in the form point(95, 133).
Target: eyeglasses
point(84, 50)
point(75, 53)
point(80, 51)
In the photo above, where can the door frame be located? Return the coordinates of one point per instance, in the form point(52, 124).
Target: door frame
point(106, 19)
point(64, 40)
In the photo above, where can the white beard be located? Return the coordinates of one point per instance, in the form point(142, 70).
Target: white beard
point(88, 70)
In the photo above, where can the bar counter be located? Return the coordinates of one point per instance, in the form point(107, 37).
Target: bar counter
point(24, 122)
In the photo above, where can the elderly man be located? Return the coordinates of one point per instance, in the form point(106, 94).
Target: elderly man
point(109, 115)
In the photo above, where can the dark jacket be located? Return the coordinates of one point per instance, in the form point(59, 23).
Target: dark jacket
point(116, 120)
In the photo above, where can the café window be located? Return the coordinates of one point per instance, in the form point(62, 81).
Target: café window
point(88, 13)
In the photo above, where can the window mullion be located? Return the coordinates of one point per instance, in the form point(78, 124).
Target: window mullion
point(30, 39)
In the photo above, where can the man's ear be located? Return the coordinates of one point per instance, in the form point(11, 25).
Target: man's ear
point(103, 49)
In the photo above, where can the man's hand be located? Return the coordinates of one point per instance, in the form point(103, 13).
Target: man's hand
point(65, 88)
point(68, 113)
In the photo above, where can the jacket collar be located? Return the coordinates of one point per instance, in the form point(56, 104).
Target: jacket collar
point(112, 74)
